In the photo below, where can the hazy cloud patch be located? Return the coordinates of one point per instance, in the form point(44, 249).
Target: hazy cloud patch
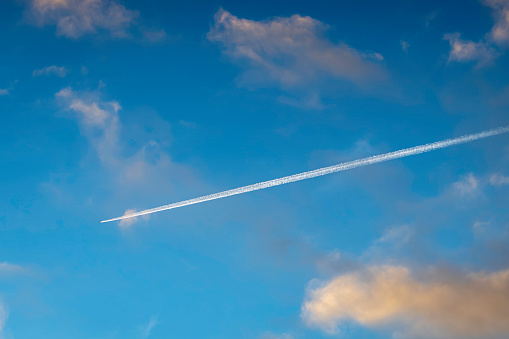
point(499, 180)
point(491, 45)
point(465, 51)
point(59, 71)
point(76, 18)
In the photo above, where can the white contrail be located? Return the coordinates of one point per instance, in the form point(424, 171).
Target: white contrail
point(326, 170)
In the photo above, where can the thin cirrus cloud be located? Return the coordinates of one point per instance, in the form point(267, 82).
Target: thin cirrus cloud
point(499, 180)
point(95, 115)
point(487, 48)
point(9, 269)
point(469, 305)
point(467, 186)
point(465, 51)
point(500, 31)
point(75, 18)
point(59, 71)
point(145, 163)
point(4, 314)
point(146, 330)
point(290, 52)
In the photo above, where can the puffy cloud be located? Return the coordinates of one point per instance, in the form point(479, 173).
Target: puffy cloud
point(473, 305)
point(51, 70)
point(465, 51)
point(499, 180)
point(290, 51)
point(75, 18)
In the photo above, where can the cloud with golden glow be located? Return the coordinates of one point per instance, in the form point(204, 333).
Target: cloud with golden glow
point(470, 305)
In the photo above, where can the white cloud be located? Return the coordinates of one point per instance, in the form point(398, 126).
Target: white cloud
point(131, 158)
point(467, 185)
point(75, 18)
point(473, 305)
point(51, 70)
point(499, 180)
point(146, 330)
point(99, 121)
point(126, 223)
point(290, 52)
point(8, 269)
point(465, 51)
point(4, 92)
point(395, 234)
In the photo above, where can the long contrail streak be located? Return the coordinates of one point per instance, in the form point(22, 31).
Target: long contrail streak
point(326, 170)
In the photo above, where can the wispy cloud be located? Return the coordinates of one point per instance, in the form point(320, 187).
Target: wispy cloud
point(9, 269)
point(467, 186)
point(469, 305)
point(465, 51)
point(95, 115)
point(290, 52)
point(270, 335)
point(145, 163)
point(155, 35)
point(4, 91)
point(188, 124)
point(499, 180)
point(147, 329)
point(491, 45)
point(480, 227)
point(404, 46)
point(59, 71)
point(500, 31)
point(4, 314)
point(75, 18)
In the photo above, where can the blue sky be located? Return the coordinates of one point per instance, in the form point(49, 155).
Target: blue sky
point(113, 106)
